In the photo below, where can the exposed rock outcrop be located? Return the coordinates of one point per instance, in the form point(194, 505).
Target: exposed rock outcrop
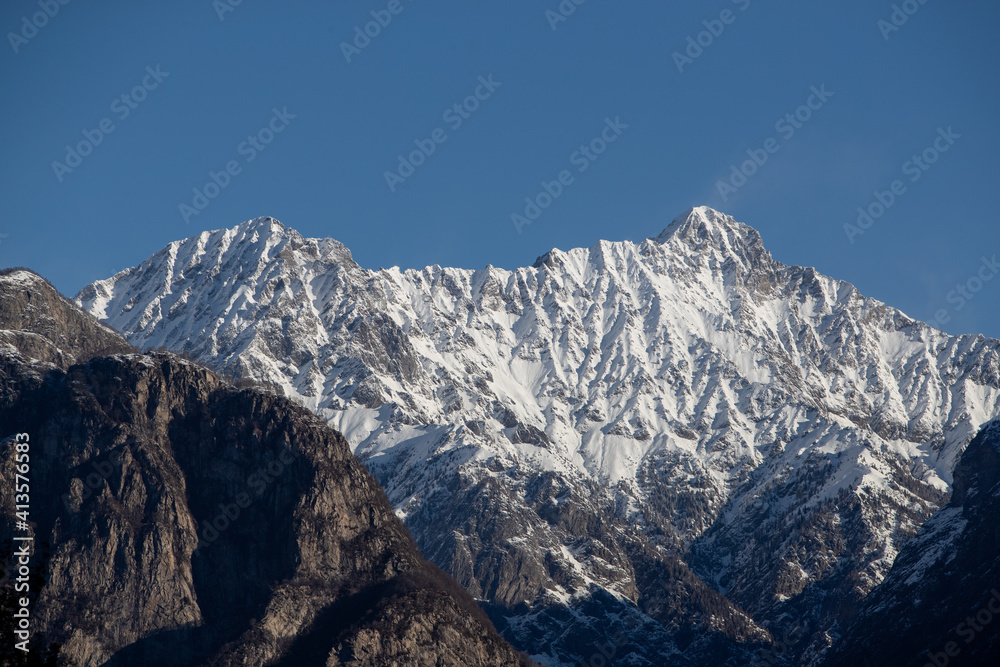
point(940, 602)
point(178, 520)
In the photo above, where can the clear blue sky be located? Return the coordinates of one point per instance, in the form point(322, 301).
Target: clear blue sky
point(324, 172)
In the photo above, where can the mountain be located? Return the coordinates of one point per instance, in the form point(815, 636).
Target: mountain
point(672, 450)
point(43, 324)
point(940, 602)
point(177, 519)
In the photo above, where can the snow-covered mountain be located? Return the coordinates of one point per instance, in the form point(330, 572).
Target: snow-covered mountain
point(667, 449)
point(940, 600)
point(129, 561)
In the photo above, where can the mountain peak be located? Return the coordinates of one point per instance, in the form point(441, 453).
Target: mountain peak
point(705, 223)
point(273, 237)
point(706, 232)
point(39, 322)
point(263, 223)
point(263, 229)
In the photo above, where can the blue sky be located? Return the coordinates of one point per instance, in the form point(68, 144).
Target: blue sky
point(217, 77)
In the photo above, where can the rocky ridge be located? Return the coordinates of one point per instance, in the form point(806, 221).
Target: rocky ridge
point(940, 602)
point(180, 520)
point(679, 439)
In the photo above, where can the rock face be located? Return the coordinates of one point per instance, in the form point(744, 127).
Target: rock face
point(940, 602)
point(680, 448)
point(42, 324)
point(179, 520)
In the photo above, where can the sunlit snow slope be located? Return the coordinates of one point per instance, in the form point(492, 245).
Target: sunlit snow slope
point(608, 414)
